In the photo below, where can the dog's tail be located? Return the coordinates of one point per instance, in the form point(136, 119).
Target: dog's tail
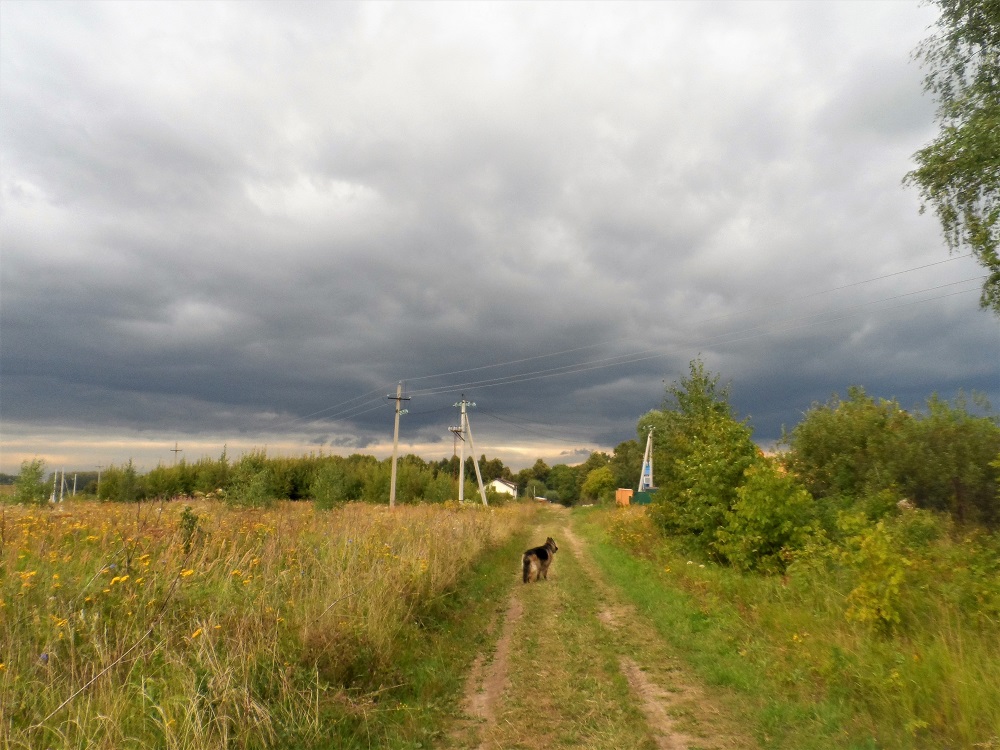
point(526, 565)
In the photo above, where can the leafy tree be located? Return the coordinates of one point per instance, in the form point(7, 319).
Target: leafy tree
point(563, 480)
point(599, 484)
point(212, 475)
point(121, 484)
point(165, 482)
point(596, 460)
point(539, 472)
point(493, 468)
point(29, 486)
point(959, 172)
point(862, 451)
point(534, 488)
point(700, 454)
point(626, 463)
point(252, 482)
point(845, 447)
point(707, 479)
point(944, 462)
point(332, 485)
point(441, 488)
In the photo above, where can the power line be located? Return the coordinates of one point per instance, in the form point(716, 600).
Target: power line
point(698, 322)
point(357, 409)
point(652, 353)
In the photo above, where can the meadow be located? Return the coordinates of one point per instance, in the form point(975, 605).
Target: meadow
point(180, 625)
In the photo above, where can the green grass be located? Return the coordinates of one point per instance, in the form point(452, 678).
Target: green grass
point(805, 676)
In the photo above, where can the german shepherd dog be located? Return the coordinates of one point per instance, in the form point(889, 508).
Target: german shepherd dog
point(536, 561)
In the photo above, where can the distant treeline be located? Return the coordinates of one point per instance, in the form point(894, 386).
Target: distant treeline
point(258, 479)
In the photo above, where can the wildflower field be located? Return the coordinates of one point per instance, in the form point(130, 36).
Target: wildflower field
point(178, 626)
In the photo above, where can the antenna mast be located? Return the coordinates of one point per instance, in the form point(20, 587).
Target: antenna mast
point(646, 477)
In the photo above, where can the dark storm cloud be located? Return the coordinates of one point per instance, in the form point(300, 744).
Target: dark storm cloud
point(252, 220)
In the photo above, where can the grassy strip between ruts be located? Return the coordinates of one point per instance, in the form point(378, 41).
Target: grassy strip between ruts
point(565, 686)
point(433, 658)
point(708, 632)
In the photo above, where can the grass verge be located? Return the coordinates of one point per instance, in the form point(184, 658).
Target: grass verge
point(807, 675)
point(710, 632)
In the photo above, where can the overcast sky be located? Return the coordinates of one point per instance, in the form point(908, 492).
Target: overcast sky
point(242, 223)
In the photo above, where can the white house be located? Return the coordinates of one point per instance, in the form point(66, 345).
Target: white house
point(503, 487)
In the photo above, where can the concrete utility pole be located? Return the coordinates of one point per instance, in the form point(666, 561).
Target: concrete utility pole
point(462, 431)
point(175, 450)
point(99, 467)
point(395, 439)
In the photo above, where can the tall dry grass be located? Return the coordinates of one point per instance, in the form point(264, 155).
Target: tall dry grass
point(165, 625)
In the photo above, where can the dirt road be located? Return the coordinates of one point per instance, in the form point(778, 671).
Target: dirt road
point(574, 667)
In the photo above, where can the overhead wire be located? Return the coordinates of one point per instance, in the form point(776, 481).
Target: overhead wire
point(786, 301)
point(656, 352)
point(355, 410)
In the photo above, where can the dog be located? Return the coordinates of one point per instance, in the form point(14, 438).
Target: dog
point(536, 561)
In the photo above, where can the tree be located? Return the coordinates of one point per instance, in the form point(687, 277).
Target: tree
point(959, 172)
point(596, 460)
point(562, 479)
point(626, 463)
point(701, 452)
point(29, 487)
point(847, 446)
point(599, 484)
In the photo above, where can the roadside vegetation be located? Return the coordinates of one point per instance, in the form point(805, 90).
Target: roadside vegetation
point(848, 586)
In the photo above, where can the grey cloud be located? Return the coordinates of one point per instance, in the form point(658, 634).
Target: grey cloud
point(240, 218)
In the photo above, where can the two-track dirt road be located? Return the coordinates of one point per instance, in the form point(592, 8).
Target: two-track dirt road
point(575, 667)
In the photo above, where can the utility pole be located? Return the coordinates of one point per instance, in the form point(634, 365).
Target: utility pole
point(99, 467)
point(458, 433)
point(462, 431)
point(175, 450)
point(475, 461)
point(395, 439)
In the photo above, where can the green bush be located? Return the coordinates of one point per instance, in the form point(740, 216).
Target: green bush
point(328, 488)
point(30, 487)
point(772, 517)
point(251, 484)
point(121, 484)
point(939, 459)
